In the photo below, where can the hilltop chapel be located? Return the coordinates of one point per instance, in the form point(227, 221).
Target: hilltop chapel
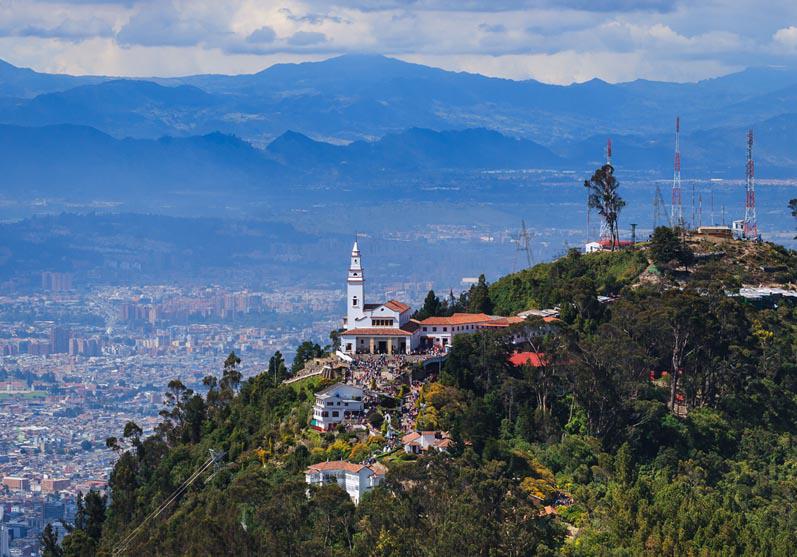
point(374, 328)
point(388, 328)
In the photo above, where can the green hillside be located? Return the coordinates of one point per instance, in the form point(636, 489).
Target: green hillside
point(549, 284)
point(664, 423)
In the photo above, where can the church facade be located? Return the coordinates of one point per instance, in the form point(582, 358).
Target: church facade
point(387, 327)
point(383, 328)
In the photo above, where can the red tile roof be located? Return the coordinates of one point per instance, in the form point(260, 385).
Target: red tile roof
point(410, 437)
point(376, 332)
point(607, 243)
point(535, 359)
point(457, 319)
point(504, 321)
point(345, 466)
point(395, 305)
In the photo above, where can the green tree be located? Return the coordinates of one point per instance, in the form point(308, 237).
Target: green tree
point(668, 250)
point(334, 337)
point(604, 197)
point(304, 353)
point(276, 368)
point(231, 376)
point(49, 542)
point(78, 544)
point(479, 297)
point(432, 307)
point(93, 514)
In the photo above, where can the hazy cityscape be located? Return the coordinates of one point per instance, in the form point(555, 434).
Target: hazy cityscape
point(185, 181)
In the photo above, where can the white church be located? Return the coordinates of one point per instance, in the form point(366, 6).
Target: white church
point(374, 328)
point(387, 328)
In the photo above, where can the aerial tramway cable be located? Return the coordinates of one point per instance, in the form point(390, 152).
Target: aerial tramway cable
point(125, 543)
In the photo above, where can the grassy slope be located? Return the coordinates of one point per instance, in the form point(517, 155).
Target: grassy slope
point(539, 286)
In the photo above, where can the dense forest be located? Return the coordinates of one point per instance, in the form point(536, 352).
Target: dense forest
point(661, 420)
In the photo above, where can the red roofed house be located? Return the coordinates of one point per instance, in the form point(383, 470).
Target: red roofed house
point(356, 479)
point(417, 442)
point(534, 359)
point(440, 331)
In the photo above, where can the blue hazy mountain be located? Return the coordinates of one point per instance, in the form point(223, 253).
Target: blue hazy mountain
point(353, 116)
point(415, 149)
point(66, 158)
point(122, 108)
point(355, 97)
point(78, 159)
point(25, 83)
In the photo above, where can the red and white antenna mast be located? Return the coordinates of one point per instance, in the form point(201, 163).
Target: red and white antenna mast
point(677, 216)
point(605, 233)
point(750, 218)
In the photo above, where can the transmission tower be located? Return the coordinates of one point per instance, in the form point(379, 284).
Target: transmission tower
point(750, 218)
point(523, 244)
point(677, 209)
point(660, 217)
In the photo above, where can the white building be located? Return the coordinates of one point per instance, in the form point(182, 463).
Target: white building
point(356, 479)
point(387, 328)
point(335, 404)
point(417, 442)
point(439, 332)
point(383, 328)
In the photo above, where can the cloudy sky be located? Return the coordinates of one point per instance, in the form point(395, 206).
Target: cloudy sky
point(556, 41)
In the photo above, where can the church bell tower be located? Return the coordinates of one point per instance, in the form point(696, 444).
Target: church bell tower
point(355, 289)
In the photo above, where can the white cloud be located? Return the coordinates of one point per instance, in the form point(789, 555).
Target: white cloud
point(552, 40)
point(786, 38)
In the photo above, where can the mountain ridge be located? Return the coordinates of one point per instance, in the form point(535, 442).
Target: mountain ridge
point(354, 97)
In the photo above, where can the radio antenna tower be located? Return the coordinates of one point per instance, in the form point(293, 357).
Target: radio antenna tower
point(677, 216)
point(750, 218)
point(660, 217)
point(605, 233)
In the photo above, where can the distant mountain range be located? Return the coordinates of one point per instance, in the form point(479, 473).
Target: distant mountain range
point(355, 115)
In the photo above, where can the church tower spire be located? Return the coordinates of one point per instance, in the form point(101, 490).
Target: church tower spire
point(355, 289)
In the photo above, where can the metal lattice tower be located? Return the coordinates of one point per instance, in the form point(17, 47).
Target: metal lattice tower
point(524, 244)
point(660, 217)
point(677, 208)
point(750, 218)
point(605, 233)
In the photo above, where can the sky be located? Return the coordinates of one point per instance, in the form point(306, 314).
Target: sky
point(555, 41)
